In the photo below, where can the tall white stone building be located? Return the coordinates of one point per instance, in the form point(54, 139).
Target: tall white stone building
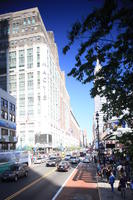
point(31, 73)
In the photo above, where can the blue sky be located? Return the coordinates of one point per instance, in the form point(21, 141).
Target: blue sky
point(58, 16)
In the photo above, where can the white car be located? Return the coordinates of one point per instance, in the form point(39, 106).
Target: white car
point(38, 161)
point(86, 160)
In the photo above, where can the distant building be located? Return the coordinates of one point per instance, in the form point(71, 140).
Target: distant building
point(30, 71)
point(8, 137)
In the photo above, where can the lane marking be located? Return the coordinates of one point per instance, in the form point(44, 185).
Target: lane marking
point(30, 185)
point(61, 188)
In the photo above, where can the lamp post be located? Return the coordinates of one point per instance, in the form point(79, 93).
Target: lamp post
point(97, 119)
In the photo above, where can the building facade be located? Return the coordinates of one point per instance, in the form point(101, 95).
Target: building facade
point(31, 74)
point(8, 137)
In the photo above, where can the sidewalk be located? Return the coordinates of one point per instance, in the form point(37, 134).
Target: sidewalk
point(106, 194)
point(82, 185)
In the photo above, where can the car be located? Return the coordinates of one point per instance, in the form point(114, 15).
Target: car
point(63, 166)
point(74, 160)
point(38, 161)
point(15, 172)
point(86, 160)
point(53, 161)
point(67, 157)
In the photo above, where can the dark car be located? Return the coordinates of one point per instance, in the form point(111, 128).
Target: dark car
point(53, 161)
point(63, 166)
point(15, 171)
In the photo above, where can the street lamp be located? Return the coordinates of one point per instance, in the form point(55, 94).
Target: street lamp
point(97, 119)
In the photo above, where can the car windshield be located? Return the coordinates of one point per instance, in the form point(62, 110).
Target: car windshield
point(63, 163)
point(52, 158)
point(73, 157)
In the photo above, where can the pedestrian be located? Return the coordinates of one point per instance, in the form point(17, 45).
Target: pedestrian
point(122, 184)
point(108, 172)
point(98, 168)
point(111, 181)
point(131, 185)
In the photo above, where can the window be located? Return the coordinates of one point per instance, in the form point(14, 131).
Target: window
point(30, 105)
point(12, 83)
point(29, 20)
point(4, 103)
point(4, 146)
point(33, 20)
point(24, 22)
point(22, 105)
point(38, 79)
point(4, 132)
point(12, 60)
point(38, 56)
point(30, 81)
point(12, 146)
point(30, 101)
point(30, 58)
point(21, 58)
point(22, 82)
point(15, 27)
point(12, 133)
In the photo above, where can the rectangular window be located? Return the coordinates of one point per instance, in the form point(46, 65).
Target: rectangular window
point(22, 82)
point(24, 22)
point(38, 80)
point(33, 20)
point(15, 28)
point(12, 133)
point(38, 56)
point(21, 58)
point(4, 146)
point(12, 107)
point(29, 20)
point(12, 83)
point(12, 60)
point(30, 58)
point(30, 81)
point(4, 132)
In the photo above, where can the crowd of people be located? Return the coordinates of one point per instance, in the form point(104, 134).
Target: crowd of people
point(111, 168)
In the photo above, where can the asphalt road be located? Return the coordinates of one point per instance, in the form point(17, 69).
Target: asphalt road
point(42, 183)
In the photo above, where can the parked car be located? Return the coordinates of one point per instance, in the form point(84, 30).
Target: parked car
point(74, 160)
point(53, 161)
point(38, 161)
point(63, 166)
point(15, 172)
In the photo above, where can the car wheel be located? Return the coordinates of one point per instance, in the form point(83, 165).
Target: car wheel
point(16, 178)
point(26, 173)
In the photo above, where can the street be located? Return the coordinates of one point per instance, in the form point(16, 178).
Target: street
point(41, 183)
point(45, 182)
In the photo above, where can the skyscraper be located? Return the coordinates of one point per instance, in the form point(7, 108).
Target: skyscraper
point(31, 73)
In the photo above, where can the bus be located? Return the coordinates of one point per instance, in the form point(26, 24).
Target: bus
point(9, 158)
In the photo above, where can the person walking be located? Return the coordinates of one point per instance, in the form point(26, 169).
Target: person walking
point(111, 181)
point(108, 172)
point(122, 184)
point(131, 186)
